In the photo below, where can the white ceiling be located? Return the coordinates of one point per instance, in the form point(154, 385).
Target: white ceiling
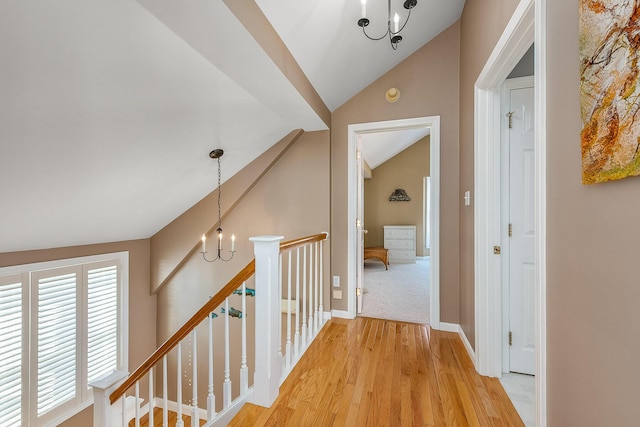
point(379, 147)
point(110, 107)
point(324, 38)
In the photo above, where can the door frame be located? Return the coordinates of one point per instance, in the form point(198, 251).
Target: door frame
point(527, 26)
point(432, 122)
point(360, 231)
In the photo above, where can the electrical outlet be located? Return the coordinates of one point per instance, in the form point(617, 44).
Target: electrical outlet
point(337, 294)
point(336, 281)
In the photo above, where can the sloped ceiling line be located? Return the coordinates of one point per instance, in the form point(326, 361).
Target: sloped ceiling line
point(253, 19)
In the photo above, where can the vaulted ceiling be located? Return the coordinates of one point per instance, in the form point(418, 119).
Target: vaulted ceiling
point(109, 108)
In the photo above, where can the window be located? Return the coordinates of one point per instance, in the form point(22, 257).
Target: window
point(63, 325)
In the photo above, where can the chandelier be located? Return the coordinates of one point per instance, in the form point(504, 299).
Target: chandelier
point(216, 154)
point(394, 35)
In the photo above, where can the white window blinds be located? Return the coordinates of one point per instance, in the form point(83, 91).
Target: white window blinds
point(60, 329)
point(11, 351)
point(55, 341)
point(102, 321)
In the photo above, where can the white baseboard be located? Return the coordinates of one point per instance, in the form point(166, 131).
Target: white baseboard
point(173, 406)
point(448, 327)
point(222, 418)
point(225, 416)
point(326, 315)
point(454, 327)
point(341, 314)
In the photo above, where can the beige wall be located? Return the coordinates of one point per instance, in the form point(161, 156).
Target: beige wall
point(405, 170)
point(291, 199)
point(142, 305)
point(482, 24)
point(428, 81)
point(593, 288)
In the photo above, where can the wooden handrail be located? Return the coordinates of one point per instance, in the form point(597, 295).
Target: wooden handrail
point(194, 321)
point(201, 315)
point(292, 244)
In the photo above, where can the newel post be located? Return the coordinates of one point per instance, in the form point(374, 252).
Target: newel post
point(268, 366)
point(104, 413)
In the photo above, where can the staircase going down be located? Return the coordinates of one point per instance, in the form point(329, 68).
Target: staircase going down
point(212, 354)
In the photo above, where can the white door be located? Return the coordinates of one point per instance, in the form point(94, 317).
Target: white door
point(359, 227)
point(520, 121)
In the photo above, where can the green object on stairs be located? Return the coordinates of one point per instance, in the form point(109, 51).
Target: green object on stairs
point(233, 312)
point(250, 292)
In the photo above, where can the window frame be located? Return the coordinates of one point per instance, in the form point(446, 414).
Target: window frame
point(27, 274)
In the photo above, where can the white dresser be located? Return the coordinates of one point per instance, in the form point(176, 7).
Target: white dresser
point(400, 240)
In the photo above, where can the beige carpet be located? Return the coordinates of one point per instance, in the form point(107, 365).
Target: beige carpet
point(401, 293)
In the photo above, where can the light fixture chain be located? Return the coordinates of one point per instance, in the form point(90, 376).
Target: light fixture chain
point(216, 154)
point(219, 195)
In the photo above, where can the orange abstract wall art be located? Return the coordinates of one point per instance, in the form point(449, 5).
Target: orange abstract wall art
point(610, 89)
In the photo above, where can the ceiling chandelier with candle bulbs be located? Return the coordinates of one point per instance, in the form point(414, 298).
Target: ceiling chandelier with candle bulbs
point(392, 32)
point(216, 154)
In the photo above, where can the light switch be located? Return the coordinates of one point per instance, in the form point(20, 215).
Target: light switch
point(467, 198)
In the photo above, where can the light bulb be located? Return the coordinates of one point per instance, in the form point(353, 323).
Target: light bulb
point(396, 21)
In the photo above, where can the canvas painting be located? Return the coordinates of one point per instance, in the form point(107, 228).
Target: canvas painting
point(610, 89)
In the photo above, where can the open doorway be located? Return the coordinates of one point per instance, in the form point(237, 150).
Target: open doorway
point(355, 207)
point(396, 264)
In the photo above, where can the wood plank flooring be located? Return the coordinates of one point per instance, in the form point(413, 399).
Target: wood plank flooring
point(371, 372)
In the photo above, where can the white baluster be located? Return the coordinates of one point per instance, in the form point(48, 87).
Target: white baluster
point(165, 393)
point(321, 320)
point(195, 418)
point(316, 316)
point(226, 387)
point(296, 341)
point(288, 346)
point(137, 407)
point(244, 369)
point(179, 421)
point(304, 296)
point(211, 398)
point(280, 306)
point(124, 410)
point(311, 276)
point(151, 399)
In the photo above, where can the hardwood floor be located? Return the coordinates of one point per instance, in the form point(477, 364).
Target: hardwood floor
point(371, 372)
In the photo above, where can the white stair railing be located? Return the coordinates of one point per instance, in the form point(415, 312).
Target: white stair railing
point(303, 266)
point(282, 334)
